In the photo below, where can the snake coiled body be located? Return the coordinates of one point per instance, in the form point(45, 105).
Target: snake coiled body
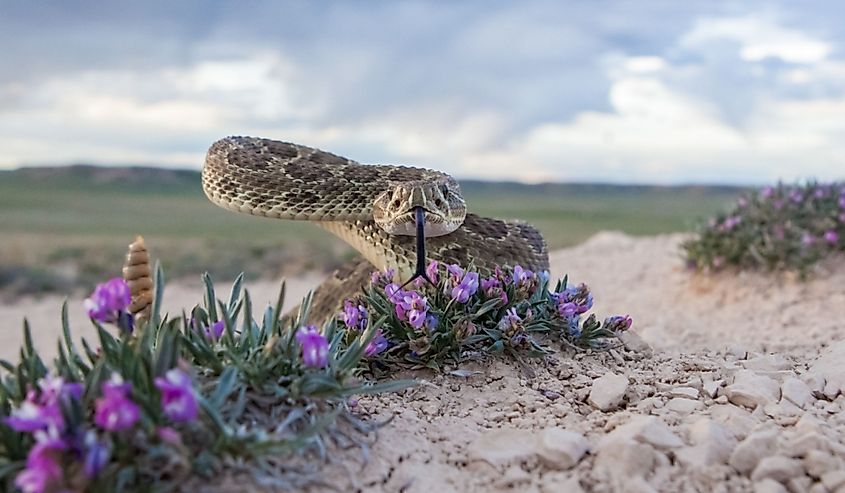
point(367, 207)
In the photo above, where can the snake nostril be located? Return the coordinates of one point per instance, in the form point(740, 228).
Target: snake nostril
point(396, 204)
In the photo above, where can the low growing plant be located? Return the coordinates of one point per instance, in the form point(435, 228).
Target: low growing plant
point(785, 227)
point(154, 404)
point(464, 313)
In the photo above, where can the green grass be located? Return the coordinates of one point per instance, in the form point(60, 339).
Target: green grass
point(85, 216)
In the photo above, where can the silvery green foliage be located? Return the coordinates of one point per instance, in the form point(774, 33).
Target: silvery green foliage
point(257, 401)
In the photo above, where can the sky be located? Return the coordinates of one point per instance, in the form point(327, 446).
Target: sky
point(617, 91)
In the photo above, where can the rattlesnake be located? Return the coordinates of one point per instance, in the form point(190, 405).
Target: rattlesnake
point(371, 207)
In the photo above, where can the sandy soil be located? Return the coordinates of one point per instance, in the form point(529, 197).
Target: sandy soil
point(730, 382)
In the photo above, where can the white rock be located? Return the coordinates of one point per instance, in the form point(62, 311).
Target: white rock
point(803, 444)
point(684, 392)
point(607, 391)
point(625, 459)
point(769, 486)
point(561, 449)
point(502, 447)
point(711, 387)
point(748, 453)
point(716, 440)
point(751, 390)
point(683, 406)
point(633, 342)
point(817, 462)
point(778, 468)
point(738, 351)
point(643, 429)
point(736, 419)
point(796, 392)
point(829, 366)
point(769, 362)
point(833, 479)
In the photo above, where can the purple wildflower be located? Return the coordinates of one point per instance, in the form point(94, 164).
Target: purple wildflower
point(214, 331)
point(115, 411)
point(412, 308)
point(742, 202)
point(354, 316)
point(382, 279)
point(108, 300)
point(178, 400)
point(376, 345)
point(433, 271)
point(43, 410)
point(731, 222)
point(467, 287)
point(842, 201)
point(315, 347)
point(511, 323)
point(521, 276)
point(767, 192)
point(807, 239)
point(431, 322)
point(831, 237)
point(842, 217)
point(618, 323)
point(492, 288)
point(168, 435)
point(97, 455)
point(574, 300)
point(43, 471)
point(796, 196)
point(394, 293)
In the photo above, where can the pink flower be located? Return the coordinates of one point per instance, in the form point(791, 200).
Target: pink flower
point(43, 471)
point(115, 411)
point(377, 344)
point(467, 287)
point(831, 237)
point(412, 308)
point(178, 400)
point(432, 271)
point(108, 300)
point(315, 347)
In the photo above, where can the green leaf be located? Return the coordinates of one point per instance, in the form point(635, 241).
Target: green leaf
point(225, 386)
point(158, 296)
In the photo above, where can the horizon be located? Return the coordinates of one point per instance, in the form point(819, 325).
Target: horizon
point(646, 93)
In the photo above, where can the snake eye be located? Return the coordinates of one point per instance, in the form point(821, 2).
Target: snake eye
point(396, 204)
point(438, 202)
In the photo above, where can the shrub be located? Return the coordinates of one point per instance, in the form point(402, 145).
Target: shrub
point(786, 227)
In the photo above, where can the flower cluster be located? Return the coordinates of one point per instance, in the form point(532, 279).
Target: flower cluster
point(466, 311)
point(108, 304)
point(777, 227)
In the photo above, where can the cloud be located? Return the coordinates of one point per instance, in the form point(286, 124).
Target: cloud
point(621, 92)
point(758, 38)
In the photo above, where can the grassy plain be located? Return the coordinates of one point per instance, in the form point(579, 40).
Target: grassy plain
point(62, 227)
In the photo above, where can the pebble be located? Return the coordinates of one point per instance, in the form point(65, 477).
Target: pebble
point(625, 459)
point(817, 463)
point(684, 392)
point(683, 406)
point(643, 429)
point(769, 486)
point(751, 390)
point(711, 387)
point(833, 479)
point(750, 451)
point(607, 391)
point(829, 366)
point(778, 468)
point(716, 441)
point(561, 449)
point(796, 392)
point(769, 362)
point(502, 447)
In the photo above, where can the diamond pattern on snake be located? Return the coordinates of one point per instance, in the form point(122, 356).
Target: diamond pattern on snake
point(379, 210)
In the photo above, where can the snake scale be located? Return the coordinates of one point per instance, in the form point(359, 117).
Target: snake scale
point(371, 207)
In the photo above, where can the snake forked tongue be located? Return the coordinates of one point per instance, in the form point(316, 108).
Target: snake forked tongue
point(420, 269)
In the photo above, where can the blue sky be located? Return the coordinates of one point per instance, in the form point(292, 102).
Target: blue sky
point(618, 91)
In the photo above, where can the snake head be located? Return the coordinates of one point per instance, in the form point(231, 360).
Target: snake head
point(445, 209)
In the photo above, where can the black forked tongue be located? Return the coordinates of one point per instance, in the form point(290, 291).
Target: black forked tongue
point(419, 272)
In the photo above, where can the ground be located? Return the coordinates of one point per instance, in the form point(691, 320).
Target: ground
point(728, 382)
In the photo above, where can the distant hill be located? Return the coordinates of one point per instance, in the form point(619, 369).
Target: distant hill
point(154, 177)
